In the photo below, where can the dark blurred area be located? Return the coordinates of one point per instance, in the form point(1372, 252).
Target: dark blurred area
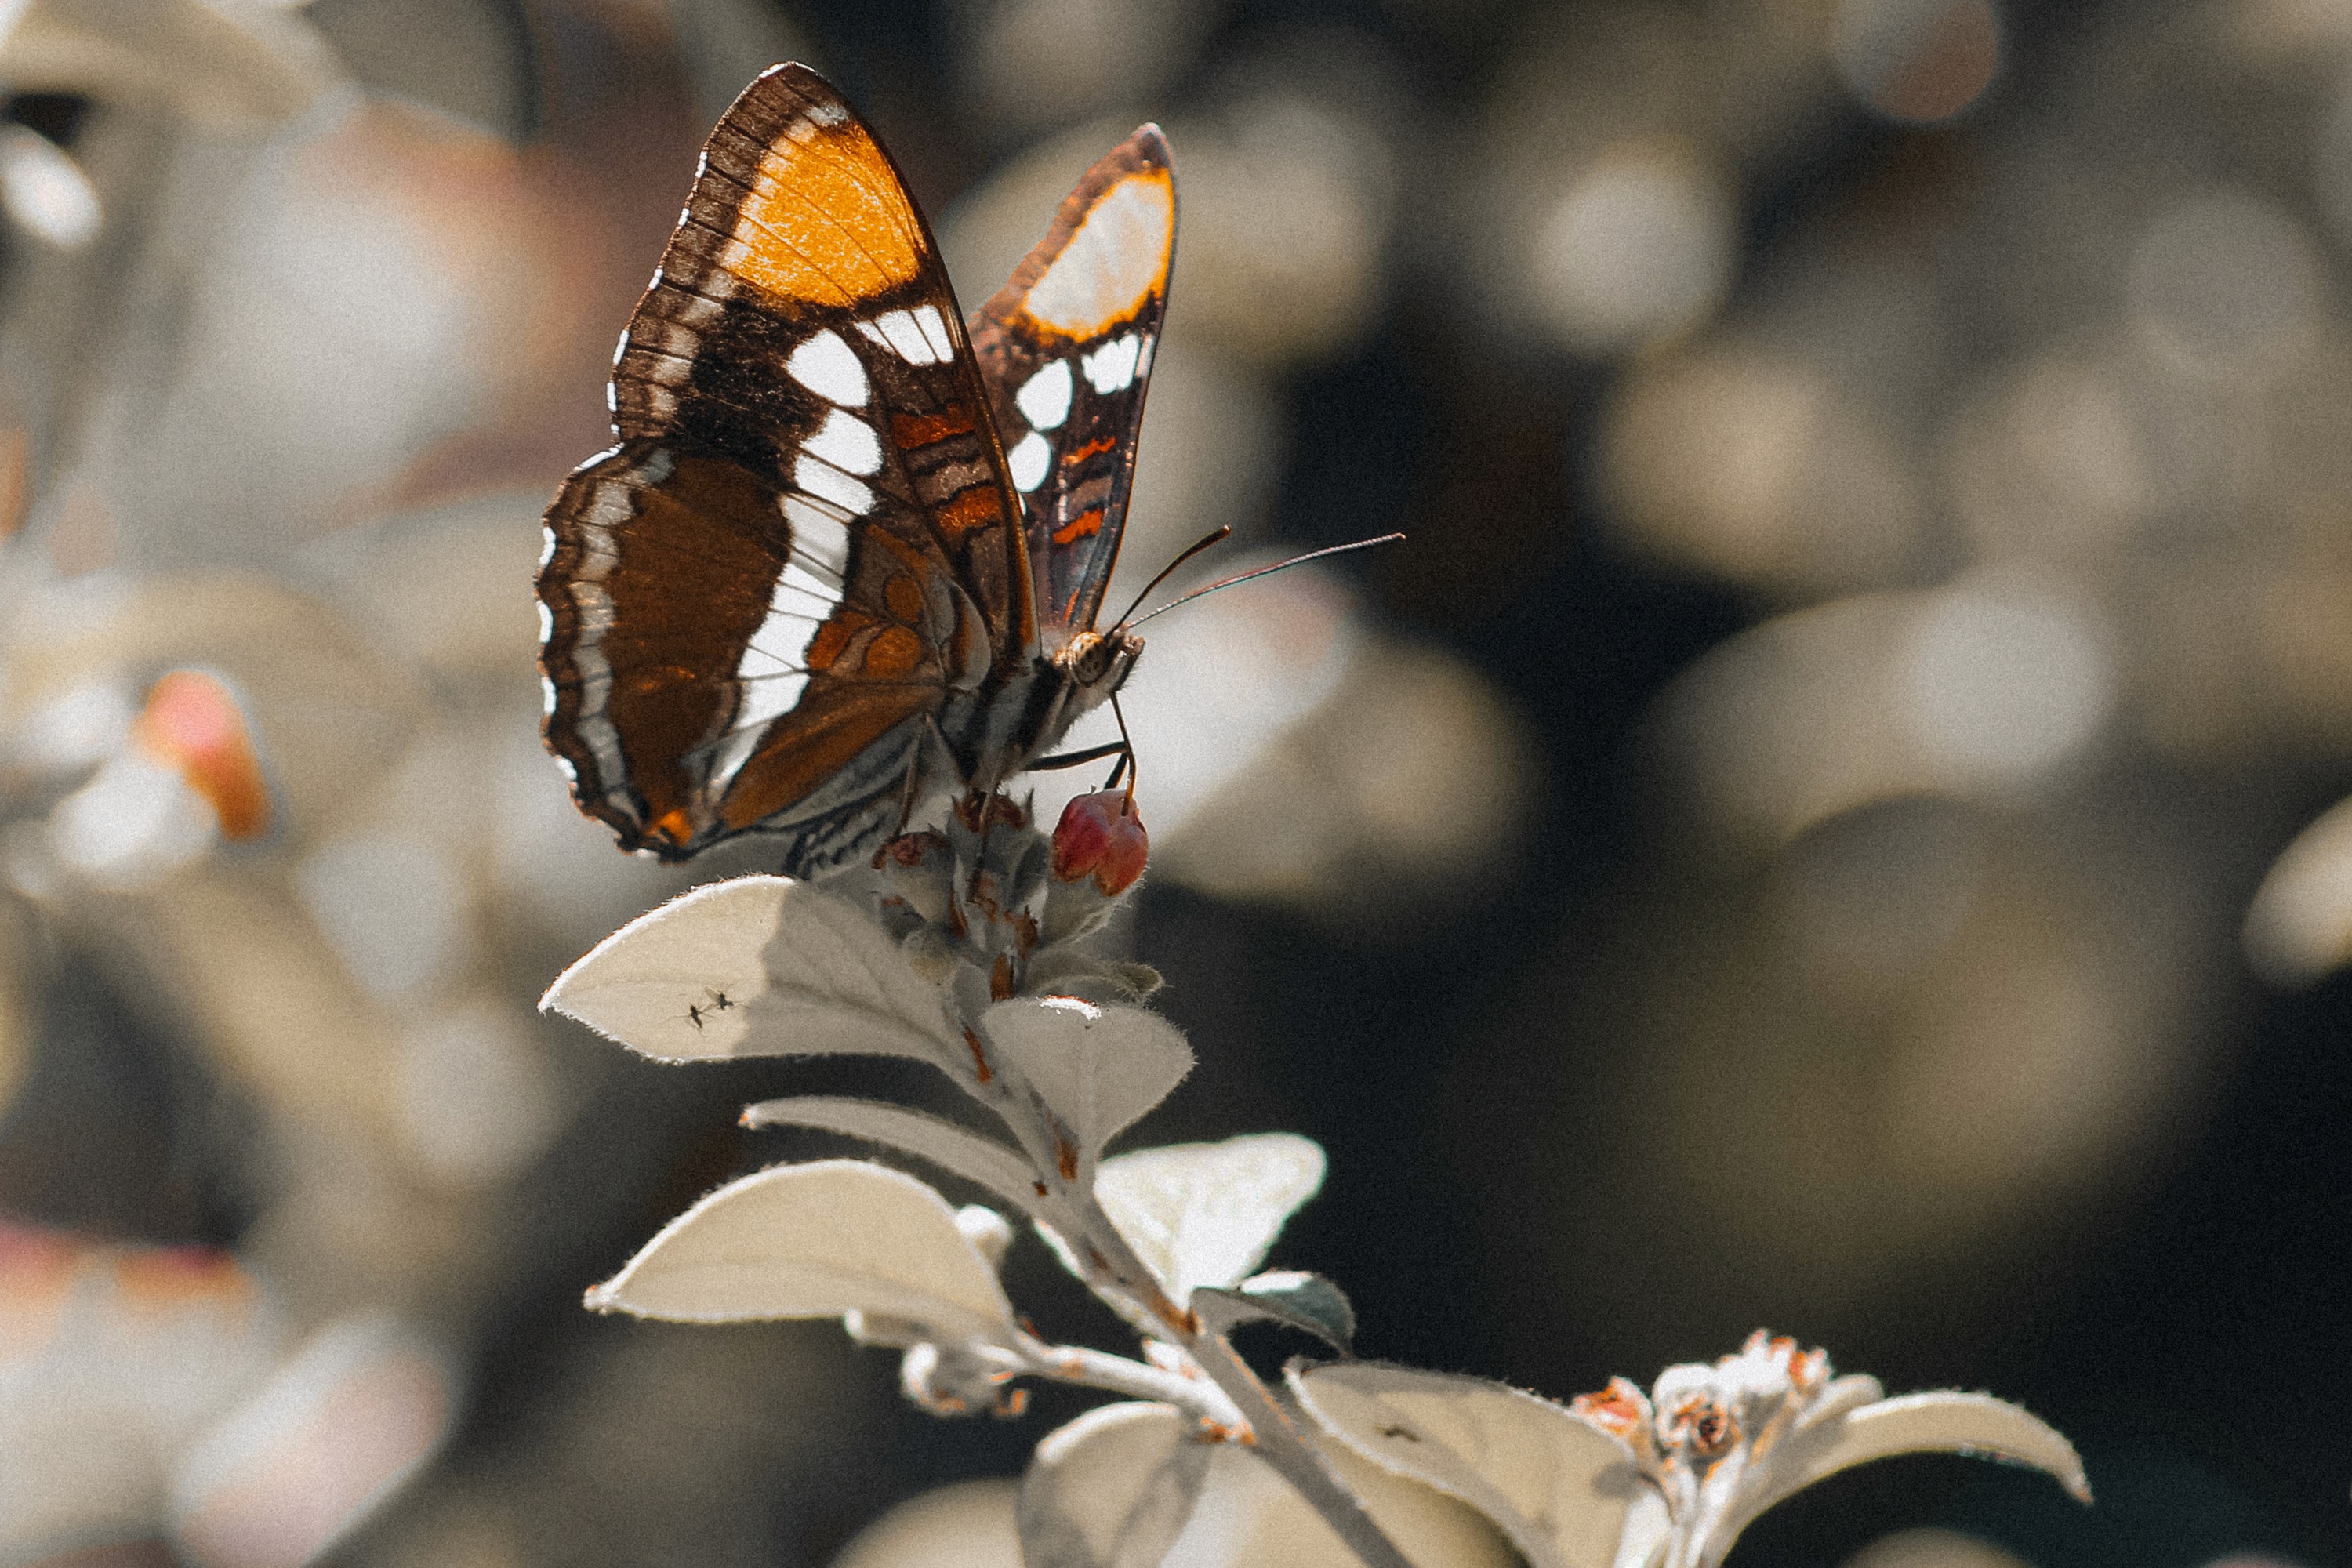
point(1830, 821)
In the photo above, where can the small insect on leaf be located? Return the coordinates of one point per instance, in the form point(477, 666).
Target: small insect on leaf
point(757, 966)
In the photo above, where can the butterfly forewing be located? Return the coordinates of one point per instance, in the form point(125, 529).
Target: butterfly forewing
point(804, 545)
point(1066, 348)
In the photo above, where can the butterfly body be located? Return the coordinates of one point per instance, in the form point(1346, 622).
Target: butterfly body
point(846, 556)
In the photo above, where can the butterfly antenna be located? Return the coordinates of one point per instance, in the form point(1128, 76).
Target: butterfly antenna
point(1264, 571)
point(1219, 537)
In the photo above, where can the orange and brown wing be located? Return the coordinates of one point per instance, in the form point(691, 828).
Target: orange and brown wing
point(755, 605)
point(1066, 348)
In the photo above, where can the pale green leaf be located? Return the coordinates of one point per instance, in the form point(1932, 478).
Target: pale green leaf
point(1096, 1068)
point(1559, 1488)
point(816, 1240)
point(1113, 1489)
point(945, 1144)
point(1205, 1213)
point(1296, 1299)
point(1946, 1421)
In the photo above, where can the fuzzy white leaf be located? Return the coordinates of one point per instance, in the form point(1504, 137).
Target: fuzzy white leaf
point(1559, 1488)
point(1113, 1489)
point(329, 1436)
point(815, 1241)
point(1097, 1069)
point(1648, 1524)
point(1249, 1516)
point(942, 1142)
point(758, 966)
point(1127, 1486)
point(1204, 1214)
point(1945, 1421)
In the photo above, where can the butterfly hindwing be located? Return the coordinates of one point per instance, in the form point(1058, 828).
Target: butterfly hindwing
point(757, 603)
point(1066, 349)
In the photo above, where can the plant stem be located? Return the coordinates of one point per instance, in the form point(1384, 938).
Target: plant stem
point(1089, 1368)
point(1114, 1270)
point(1283, 1446)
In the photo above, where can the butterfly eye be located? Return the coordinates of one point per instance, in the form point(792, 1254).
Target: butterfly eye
point(1093, 661)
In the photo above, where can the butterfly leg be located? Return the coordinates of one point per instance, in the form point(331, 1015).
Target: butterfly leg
point(1127, 762)
point(1078, 759)
point(1122, 748)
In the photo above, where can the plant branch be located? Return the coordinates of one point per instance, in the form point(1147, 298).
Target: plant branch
point(1113, 1271)
point(1282, 1444)
point(1089, 1368)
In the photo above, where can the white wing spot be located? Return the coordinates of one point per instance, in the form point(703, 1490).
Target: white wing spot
point(828, 366)
point(935, 331)
point(899, 328)
point(1111, 368)
point(847, 442)
point(738, 744)
point(546, 621)
point(819, 537)
point(1114, 261)
point(546, 697)
point(769, 669)
point(1029, 462)
point(1044, 398)
point(546, 545)
point(825, 482)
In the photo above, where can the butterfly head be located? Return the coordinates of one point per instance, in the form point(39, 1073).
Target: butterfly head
point(1097, 663)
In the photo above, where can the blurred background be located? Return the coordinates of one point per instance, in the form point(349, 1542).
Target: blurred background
point(1830, 821)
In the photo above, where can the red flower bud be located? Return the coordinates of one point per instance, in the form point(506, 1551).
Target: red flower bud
point(1101, 836)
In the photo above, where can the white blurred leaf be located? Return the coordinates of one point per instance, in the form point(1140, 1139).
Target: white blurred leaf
point(1113, 1489)
point(964, 1524)
point(758, 966)
point(1945, 1421)
point(815, 1241)
point(1097, 1069)
point(942, 1142)
point(1559, 1488)
point(1204, 1214)
point(45, 191)
point(2299, 926)
point(328, 1437)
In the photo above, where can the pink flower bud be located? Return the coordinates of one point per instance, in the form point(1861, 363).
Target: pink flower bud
point(1101, 836)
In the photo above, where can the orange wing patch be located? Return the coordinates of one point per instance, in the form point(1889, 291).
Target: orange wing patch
point(1086, 525)
point(1115, 258)
point(823, 223)
point(975, 507)
point(913, 432)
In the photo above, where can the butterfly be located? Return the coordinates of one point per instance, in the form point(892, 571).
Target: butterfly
point(848, 551)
